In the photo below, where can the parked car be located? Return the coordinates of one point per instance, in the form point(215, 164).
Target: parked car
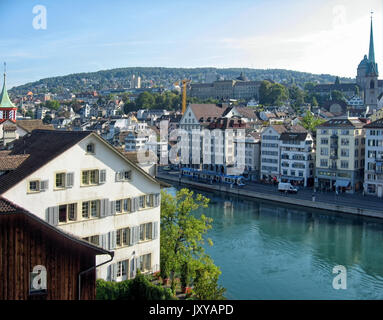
point(166, 168)
point(287, 187)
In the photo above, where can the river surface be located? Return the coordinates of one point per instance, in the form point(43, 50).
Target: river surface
point(268, 250)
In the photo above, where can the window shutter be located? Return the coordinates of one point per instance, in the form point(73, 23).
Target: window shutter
point(130, 236)
point(103, 206)
point(104, 242)
point(112, 207)
point(141, 263)
point(137, 235)
point(55, 216)
point(126, 205)
point(102, 177)
point(44, 185)
point(132, 267)
point(155, 230)
point(119, 175)
point(112, 240)
point(126, 266)
point(113, 271)
point(137, 203)
point(131, 204)
point(156, 199)
point(69, 179)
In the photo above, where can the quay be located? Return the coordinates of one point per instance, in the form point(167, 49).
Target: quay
point(356, 204)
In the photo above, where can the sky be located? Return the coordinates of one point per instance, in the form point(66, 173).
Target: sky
point(326, 36)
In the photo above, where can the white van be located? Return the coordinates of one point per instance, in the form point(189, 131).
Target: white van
point(287, 187)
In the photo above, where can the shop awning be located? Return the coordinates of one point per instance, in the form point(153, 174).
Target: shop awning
point(342, 183)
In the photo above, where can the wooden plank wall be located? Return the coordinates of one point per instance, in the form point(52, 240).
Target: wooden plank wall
point(23, 245)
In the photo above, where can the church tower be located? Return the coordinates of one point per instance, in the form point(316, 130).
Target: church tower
point(367, 75)
point(8, 110)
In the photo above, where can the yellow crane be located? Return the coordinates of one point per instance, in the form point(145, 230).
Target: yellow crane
point(185, 82)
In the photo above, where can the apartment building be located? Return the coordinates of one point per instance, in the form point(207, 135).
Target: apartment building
point(82, 185)
point(251, 156)
point(297, 158)
point(373, 169)
point(286, 154)
point(340, 155)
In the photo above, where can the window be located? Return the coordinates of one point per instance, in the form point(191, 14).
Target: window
point(149, 200)
point(323, 163)
point(94, 208)
point(142, 202)
point(324, 151)
point(122, 237)
point(146, 231)
point(90, 148)
point(85, 209)
point(89, 177)
point(68, 212)
point(121, 268)
point(118, 206)
point(344, 164)
point(344, 152)
point(60, 180)
point(324, 141)
point(145, 262)
point(34, 186)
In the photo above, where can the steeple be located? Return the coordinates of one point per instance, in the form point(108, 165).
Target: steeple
point(371, 53)
point(5, 102)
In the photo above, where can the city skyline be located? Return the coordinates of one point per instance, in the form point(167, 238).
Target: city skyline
point(93, 36)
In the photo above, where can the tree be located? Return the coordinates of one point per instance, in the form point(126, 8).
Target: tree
point(182, 239)
point(52, 104)
point(272, 94)
point(310, 123)
point(145, 100)
point(338, 95)
point(47, 119)
point(297, 96)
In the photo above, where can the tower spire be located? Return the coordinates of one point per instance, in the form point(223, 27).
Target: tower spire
point(371, 53)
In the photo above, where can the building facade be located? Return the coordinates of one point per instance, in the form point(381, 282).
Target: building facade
point(340, 155)
point(373, 170)
point(79, 183)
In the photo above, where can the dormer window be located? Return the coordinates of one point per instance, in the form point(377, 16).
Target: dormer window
point(90, 148)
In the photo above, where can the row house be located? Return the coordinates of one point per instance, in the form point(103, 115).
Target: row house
point(286, 154)
point(77, 182)
point(373, 169)
point(297, 158)
point(340, 157)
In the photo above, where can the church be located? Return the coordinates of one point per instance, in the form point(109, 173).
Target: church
point(367, 89)
point(367, 77)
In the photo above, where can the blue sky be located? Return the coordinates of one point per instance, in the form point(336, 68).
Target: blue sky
point(326, 36)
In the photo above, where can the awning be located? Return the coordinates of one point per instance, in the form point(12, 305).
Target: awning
point(342, 183)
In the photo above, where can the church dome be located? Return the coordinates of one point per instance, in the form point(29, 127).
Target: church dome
point(364, 62)
point(242, 77)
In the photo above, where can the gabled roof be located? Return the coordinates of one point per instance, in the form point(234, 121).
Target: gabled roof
point(30, 125)
point(206, 110)
point(342, 123)
point(45, 145)
point(9, 208)
point(12, 162)
point(378, 124)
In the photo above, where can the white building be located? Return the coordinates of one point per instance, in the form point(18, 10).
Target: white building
point(297, 158)
point(275, 141)
point(373, 170)
point(81, 184)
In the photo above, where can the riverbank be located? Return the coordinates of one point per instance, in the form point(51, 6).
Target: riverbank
point(353, 206)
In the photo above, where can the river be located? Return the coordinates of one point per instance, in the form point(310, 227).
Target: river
point(272, 251)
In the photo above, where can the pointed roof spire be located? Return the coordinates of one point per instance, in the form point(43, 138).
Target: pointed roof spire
point(5, 102)
point(371, 53)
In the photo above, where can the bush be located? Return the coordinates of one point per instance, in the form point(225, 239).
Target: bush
point(139, 288)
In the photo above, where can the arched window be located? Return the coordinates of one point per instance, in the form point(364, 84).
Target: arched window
point(372, 84)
